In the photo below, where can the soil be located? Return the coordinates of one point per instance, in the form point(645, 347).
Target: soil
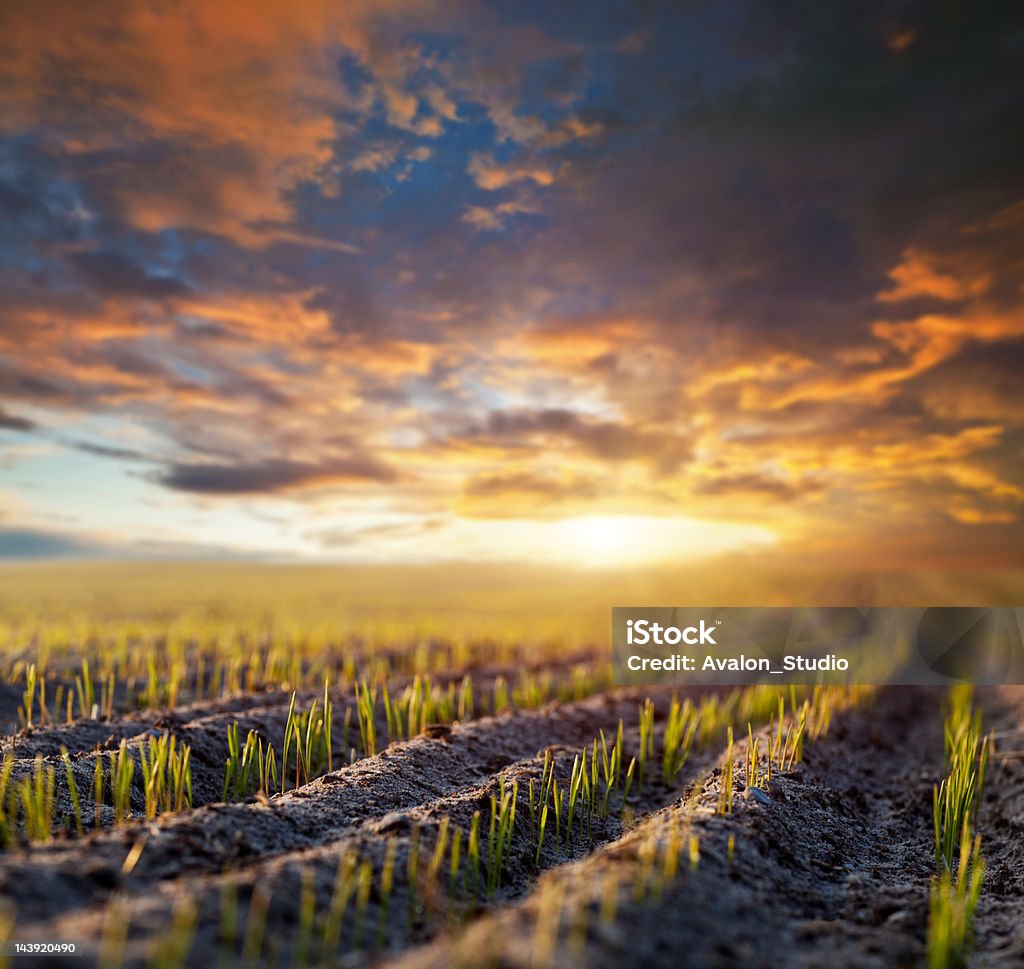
point(832, 869)
point(829, 867)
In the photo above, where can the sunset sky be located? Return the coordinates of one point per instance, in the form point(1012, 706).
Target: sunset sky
point(399, 281)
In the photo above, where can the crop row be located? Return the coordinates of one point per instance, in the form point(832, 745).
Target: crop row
point(956, 889)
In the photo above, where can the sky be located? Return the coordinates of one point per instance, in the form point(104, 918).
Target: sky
point(576, 283)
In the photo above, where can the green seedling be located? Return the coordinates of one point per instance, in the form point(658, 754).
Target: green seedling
point(307, 738)
point(37, 801)
point(455, 862)
point(412, 873)
point(501, 697)
point(629, 781)
point(28, 697)
point(344, 889)
point(171, 950)
point(680, 730)
point(6, 822)
point(114, 933)
point(76, 805)
point(86, 690)
point(955, 799)
point(465, 710)
point(503, 816)
point(122, 769)
point(98, 781)
point(363, 886)
point(255, 925)
point(366, 702)
point(307, 916)
point(646, 752)
point(726, 786)
point(228, 934)
point(575, 783)
point(953, 904)
point(540, 832)
point(166, 775)
point(753, 765)
point(473, 853)
point(440, 847)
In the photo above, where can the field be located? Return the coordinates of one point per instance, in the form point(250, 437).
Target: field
point(240, 765)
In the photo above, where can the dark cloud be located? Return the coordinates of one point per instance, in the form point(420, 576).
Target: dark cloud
point(12, 422)
point(980, 384)
point(106, 451)
point(546, 488)
point(26, 385)
point(760, 486)
point(272, 476)
point(606, 440)
point(117, 274)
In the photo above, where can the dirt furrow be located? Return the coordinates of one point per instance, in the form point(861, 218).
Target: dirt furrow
point(837, 859)
point(51, 880)
point(203, 726)
point(1000, 937)
point(408, 916)
point(83, 734)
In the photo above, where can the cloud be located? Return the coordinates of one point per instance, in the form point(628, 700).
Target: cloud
point(436, 260)
point(530, 490)
point(901, 350)
point(116, 273)
point(968, 513)
point(272, 476)
point(491, 175)
point(494, 218)
point(107, 451)
point(546, 488)
point(12, 422)
point(214, 117)
point(604, 440)
point(922, 275)
point(760, 486)
point(335, 538)
point(485, 220)
point(193, 117)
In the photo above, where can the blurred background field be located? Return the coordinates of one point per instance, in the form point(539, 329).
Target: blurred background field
point(66, 603)
point(479, 599)
point(178, 630)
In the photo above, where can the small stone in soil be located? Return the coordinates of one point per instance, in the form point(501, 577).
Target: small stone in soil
point(756, 794)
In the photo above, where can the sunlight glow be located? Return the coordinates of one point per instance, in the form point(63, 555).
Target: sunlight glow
point(611, 540)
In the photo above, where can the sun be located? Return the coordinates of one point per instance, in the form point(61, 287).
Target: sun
point(613, 536)
point(602, 541)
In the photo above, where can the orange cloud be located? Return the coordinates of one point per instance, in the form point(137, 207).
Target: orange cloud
point(963, 511)
point(284, 319)
point(570, 341)
point(776, 366)
point(490, 219)
point(923, 344)
point(923, 274)
point(899, 41)
point(218, 110)
point(491, 175)
point(936, 447)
